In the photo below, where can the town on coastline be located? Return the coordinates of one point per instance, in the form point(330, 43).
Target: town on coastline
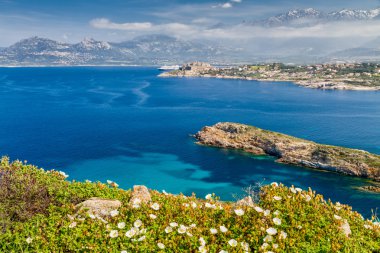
point(335, 76)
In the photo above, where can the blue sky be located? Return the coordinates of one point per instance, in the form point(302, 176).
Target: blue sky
point(118, 20)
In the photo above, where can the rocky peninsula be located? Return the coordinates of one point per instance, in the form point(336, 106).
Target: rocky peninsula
point(291, 150)
point(359, 76)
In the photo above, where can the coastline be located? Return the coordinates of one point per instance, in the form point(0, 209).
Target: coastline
point(291, 150)
point(321, 85)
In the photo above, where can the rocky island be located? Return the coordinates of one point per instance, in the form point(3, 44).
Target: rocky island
point(291, 150)
point(345, 76)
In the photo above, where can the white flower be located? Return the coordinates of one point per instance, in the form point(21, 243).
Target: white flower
point(277, 221)
point(268, 238)
point(366, 226)
point(276, 213)
point(155, 206)
point(221, 207)
point(142, 231)
point(271, 231)
point(223, 251)
point(121, 225)
point(202, 249)
point(160, 245)
point(131, 233)
point(213, 231)
point(142, 238)
point(202, 241)
point(193, 225)
point(88, 181)
point(258, 209)
point(137, 223)
point(307, 198)
point(293, 190)
point(173, 224)
point(73, 225)
point(29, 240)
point(185, 204)
point(92, 216)
point(64, 174)
point(275, 246)
point(208, 196)
point(223, 229)
point(114, 233)
point(137, 201)
point(123, 251)
point(193, 205)
point(265, 245)
point(244, 246)
point(269, 252)
point(182, 229)
point(164, 192)
point(337, 217)
point(275, 184)
point(135, 206)
point(168, 230)
point(114, 213)
point(232, 243)
point(299, 227)
point(189, 234)
point(109, 182)
point(152, 216)
point(277, 198)
point(239, 212)
point(208, 205)
point(283, 235)
point(299, 189)
point(266, 212)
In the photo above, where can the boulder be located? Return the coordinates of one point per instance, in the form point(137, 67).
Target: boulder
point(99, 206)
point(140, 195)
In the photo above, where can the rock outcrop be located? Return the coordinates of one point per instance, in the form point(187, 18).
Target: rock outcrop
point(140, 195)
point(291, 150)
point(98, 206)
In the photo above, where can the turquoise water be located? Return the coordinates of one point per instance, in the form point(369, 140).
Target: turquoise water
point(128, 125)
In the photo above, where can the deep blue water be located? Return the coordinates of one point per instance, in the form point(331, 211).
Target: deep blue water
point(128, 125)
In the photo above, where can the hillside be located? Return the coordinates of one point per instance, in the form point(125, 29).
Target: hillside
point(40, 213)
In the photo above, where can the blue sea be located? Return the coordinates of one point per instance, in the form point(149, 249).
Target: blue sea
point(127, 125)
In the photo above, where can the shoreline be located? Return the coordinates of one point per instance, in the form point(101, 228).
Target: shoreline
point(321, 85)
point(292, 150)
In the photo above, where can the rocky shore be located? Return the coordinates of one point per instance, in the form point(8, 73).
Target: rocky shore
point(291, 150)
point(304, 79)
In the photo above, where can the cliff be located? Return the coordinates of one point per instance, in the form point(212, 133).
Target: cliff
point(291, 150)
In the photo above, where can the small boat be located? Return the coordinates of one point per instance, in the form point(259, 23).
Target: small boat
point(169, 67)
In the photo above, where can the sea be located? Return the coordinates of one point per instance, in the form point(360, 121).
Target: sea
point(130, 126)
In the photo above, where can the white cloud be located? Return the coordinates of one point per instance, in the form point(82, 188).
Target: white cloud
point(226, 5)
point(236, 1)
point(103, 23)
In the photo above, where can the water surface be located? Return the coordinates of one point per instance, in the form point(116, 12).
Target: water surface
point(127, 125)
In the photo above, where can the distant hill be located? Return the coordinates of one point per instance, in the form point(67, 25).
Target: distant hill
point(143, 50)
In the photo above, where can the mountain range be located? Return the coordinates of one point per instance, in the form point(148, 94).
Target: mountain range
point(159, 49)
point(310, 16)
point(143, 50)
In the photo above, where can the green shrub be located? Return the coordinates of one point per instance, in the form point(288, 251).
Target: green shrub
point(282, 220)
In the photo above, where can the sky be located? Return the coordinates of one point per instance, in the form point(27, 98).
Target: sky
point(120, 20)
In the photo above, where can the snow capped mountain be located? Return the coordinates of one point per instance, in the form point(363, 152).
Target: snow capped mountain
point(310, 16)
point(91, 44)
point(149, 49)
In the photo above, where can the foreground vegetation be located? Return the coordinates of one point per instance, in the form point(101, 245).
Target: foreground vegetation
point(38, 214)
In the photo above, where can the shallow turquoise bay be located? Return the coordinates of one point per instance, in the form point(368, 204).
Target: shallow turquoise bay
point(129, 126)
